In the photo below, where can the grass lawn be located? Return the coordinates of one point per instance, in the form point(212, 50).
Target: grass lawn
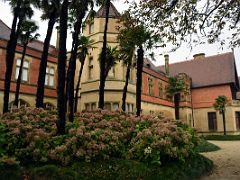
point(111, 169)
point(223, 138)
point(206, 146)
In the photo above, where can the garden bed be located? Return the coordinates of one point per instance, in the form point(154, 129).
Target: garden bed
point(99, 144)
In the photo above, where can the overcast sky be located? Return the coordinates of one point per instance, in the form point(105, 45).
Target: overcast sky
point(181, 54)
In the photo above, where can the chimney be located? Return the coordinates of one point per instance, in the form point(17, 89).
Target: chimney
point(199, 56)
point(58, 37)
point(166, 57)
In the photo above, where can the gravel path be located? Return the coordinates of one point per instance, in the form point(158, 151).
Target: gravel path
point(226, 161)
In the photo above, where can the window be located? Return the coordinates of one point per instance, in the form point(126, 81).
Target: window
point(93, 106)
point(212, 121)
point(48, 106)
point(150, 86)
point(107, 106)
point(90, 67)
point(129, 107)
point(24, 70)
point(90, 106)
point(91, 28)
point(49, 78)
point(21, 103)
point(87, 107)
point(237, 114)
point(111, 72)
point(115, 106)
point(160, 89)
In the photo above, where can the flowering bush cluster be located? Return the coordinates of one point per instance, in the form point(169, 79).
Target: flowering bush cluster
point(30, 135)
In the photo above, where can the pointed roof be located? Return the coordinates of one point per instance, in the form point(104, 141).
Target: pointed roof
point(208, 71)
point(5, 32)
point(113, 12)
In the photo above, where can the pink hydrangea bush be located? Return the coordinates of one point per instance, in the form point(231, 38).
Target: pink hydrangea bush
point(31, 136)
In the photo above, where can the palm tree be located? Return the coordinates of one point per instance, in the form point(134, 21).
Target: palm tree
point(220, 105)
point(26, 36)
point(126, 51)
point(175, 87)
point(61, 106)
point(21, 9)
point(106, 3)
point(111, 57)
point(78, 9)
point(51, 12)
point(85, 44)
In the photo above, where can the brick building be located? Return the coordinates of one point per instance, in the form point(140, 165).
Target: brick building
point(30, 71)
point(205, 79)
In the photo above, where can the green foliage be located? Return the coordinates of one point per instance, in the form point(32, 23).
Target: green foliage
point(28, 28)
point(190, 21)
point(220, 103)
point(205, 146)
point(9, 168)
point(175, 85)
point(30, 136)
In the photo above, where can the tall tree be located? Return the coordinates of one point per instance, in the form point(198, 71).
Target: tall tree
point(220, 105)
point(61, 106)
point(21, 9)
point(27, 35)
point(174, 88)
point(126, 51)
point(51, 12)
point(85, 44)
point(107, 4)
point(78, 9)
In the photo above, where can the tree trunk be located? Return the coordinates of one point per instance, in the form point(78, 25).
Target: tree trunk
point(72, 68)
point(11, 46)
point(20, 76)
point(224, 123)
point(78, 83)
point(176, 104)
point(61, 69)
point(139, 79)
point(124, 97)
point(103, 60)
point(43, 63)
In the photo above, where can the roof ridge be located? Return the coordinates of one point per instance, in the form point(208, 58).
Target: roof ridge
point(192, 60)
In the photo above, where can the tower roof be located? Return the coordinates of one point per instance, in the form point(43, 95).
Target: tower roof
point(113, 12)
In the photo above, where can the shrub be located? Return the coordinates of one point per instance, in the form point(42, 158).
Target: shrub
point(30, 135)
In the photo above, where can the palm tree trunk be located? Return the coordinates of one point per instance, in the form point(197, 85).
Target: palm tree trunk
point(103, 60)
point(224, 123)
point(176, 104)
point(78, 83)
point(124, 97)
point(11, 46)
point(139, 79)
point(43, 63)
point(61, 69)
point(72, 68)
point(20, 76)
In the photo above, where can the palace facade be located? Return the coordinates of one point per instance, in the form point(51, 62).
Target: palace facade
point(205, 79)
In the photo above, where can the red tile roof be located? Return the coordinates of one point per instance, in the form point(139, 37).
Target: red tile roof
point(37, 45)
point(208, 71)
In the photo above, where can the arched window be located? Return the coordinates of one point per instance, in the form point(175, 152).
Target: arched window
point(21, 103)
point(48, 105)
